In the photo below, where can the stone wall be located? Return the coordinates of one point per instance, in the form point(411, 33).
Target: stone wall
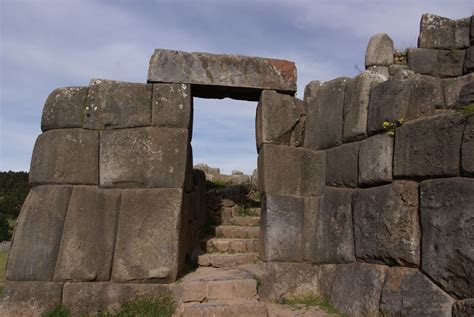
point(367, 181)
point(114, 200)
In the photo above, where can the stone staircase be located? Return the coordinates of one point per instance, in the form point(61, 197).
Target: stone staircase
point(235, 242)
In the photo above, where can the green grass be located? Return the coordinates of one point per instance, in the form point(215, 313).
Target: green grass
point(243, 212)
point(162, 305)
point(3, 263)
point(215, 184)
point(468, 110)
point(312, 300)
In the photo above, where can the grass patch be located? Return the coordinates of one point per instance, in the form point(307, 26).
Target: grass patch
point(215, 184)
point(244, 212)
point(59, 311)
point(162, 305)
point(3, 263)
point(468, 110)
point(11, 225)
point(312, 300)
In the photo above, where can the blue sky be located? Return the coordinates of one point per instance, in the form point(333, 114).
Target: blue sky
point(45, 44)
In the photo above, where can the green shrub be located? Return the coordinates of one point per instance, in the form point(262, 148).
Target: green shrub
point(215, 184)
point(4, 226)
point(468, 110)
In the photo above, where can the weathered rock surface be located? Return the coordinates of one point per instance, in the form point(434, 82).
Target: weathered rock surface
point(282, 228)
point(89, 232)
point(332, 240)
point(386, 226)
point(407, 292)
point(434, 62)
point(452, 89)
point(143, 157)
point(147, 244)
point(357, 288)
point(38, 234)
point(172, 106)
point(325, 108)
point(285, 170)
point(219, 76)
point(356, 105)
point(379, 51)
point(461, 33)
point(113, 104)
point(343, 165)
point(381, 71)
point(467, 148)
point(446, 213)
point(429, 147)
point(376, 160)
point(464, 308)
point(66, 156)
point(405, 96)
point(469, 60)
point(64, 108)
point(280, 119)
point(30, 298)
point(466, 95)
point(83, 298)
point(436, 32)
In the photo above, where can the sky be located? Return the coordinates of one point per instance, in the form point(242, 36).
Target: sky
point(46, 44)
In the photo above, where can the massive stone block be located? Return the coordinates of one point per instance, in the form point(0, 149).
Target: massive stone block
point(407, 292)
point(143, 157)
point(147, 246)
point(38, 234)
point(461, 33)
point(282, 228)
point(429, 147)
point(467, 149)
point(66, 156)
point(436, 32)
point(286, 170)
point(376, 160)
point(64, 108)
point(386, 226)
point(342, 165)
point(379, 51)
point(280, 119)
point(89, 298)
point(452, 88)
point(357, 288)
point(114, 104)
point(88, 239)
point(30, 298)
point(447, 210)
point(438, 63)
point(405, 96)
point(332, 240)
point(325, 105)
point(356, 105)
point(172, 106)
point(220, 76)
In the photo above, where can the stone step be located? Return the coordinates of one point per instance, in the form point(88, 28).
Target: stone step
point(224, 308)
point(237, 232)
point(278, 310)
point(232, 245)
point(244, 221)
point(227, 259)
point(208, 283)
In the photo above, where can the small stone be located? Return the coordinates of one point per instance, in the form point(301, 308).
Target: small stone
point(379, 51)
